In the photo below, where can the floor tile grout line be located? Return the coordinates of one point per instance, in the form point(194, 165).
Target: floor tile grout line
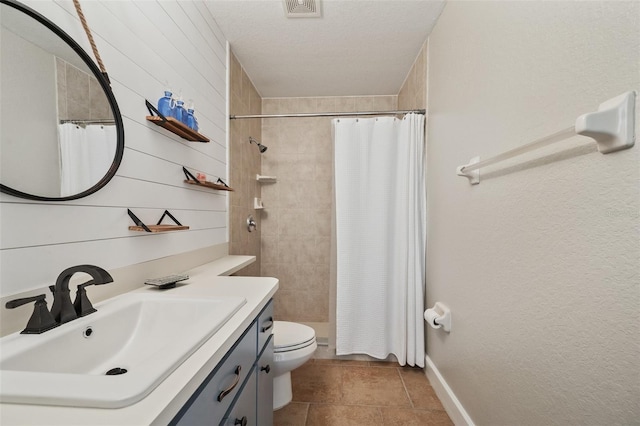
point(306, 413)
point(380, 416)
point(406, 391)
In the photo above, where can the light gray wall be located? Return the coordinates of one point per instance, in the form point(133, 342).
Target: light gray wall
point(143, 45)
point(540, 262)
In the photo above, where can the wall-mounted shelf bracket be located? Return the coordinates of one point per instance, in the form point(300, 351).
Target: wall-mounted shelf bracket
point(613, 125)
point(473, 175)
point(257, 203)
point(140, 226)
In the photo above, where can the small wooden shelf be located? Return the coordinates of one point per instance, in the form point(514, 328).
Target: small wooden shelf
point(159, 228)
point(209, 185)
point(173, 125)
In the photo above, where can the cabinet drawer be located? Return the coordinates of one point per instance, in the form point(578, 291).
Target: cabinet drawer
point(243, 411)
point(210, 402)
point(264, 372)
point(265, 325)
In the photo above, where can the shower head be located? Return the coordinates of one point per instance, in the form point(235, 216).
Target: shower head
point(261, 147)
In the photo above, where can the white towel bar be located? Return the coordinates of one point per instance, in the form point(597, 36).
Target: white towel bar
point(612, 127)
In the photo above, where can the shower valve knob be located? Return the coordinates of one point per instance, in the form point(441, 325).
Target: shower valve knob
point(251, 224)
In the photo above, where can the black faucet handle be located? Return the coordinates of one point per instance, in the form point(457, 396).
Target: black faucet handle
point(82, 304)
point(41, 319)
point(19, 302)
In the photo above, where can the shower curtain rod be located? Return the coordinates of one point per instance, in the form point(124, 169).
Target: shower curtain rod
point(88, 121)
point(329, 114)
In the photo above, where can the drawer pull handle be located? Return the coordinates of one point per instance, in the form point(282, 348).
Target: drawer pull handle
point(268, 326)
point(241, 422)
point(267, 368)
point(233, 385)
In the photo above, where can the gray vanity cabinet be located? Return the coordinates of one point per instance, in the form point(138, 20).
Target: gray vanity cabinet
point(234, 391)
point(264, 373)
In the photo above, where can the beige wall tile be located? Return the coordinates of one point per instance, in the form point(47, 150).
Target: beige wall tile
point(412, 94)
point(244, 163)
point(289, 105)
point(269, 218)
point(269, 269)
point(385, 103)
point(326, 104)
point(269, 249)
point(307, 105)
point(363, 103)
point(99, 108)
point(270, 106)
point(235, 75)
point(345, 104)
point(246, 89)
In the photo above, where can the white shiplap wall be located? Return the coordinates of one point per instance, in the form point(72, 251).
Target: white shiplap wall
point(144, 45)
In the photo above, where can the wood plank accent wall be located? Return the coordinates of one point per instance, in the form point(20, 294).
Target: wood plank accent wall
point(144, 46)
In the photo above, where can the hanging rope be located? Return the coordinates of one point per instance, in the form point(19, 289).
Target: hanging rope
point(90, 37)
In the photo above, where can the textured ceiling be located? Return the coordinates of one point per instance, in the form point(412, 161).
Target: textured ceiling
point(357, 47)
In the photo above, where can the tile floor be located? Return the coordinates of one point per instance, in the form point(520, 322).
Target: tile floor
point(352, 393)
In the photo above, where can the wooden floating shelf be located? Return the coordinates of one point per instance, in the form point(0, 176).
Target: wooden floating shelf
point(209, 185)
point(174, 126)
point(159, 228)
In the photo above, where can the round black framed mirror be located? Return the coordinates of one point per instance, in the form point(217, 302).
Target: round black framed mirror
point(62, 136)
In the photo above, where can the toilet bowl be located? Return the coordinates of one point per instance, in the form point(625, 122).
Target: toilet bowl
point(293, 345)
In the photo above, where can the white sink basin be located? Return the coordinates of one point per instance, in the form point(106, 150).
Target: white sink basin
point(149, 335)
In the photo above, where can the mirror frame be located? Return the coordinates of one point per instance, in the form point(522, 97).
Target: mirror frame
point(106, 87)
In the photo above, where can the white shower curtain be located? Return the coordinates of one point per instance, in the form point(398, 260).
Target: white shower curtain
point(86, 153)
point(380, 237)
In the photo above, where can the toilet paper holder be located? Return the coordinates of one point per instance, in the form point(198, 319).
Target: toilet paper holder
point(439, 316)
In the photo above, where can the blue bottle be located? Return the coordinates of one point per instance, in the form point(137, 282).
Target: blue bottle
point(166, 105)
point(181, 113)
point(192, 121)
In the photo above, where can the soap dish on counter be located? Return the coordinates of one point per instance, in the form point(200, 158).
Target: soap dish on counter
point(169, 281)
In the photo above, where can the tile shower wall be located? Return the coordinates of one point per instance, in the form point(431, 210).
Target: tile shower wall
point(244, 165)
point(413, 94)
point(296, 222)
point(80, 96)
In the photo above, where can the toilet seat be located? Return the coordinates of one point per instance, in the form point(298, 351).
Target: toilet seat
point(291, 336)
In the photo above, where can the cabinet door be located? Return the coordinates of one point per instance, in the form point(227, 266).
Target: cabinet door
point(243, 410)
point(264, 372)
point(212, 400)
point(265, 325)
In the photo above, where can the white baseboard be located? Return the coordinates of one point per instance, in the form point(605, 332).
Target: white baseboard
point(454, 408)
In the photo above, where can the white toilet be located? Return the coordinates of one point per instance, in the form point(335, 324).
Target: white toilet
point(293, 345)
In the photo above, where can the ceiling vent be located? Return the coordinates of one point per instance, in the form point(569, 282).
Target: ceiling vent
point(302, 8)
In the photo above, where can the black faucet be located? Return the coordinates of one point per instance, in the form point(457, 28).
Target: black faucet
point(63, 310)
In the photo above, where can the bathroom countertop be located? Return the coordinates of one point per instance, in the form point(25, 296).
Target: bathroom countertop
point(161, 405)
